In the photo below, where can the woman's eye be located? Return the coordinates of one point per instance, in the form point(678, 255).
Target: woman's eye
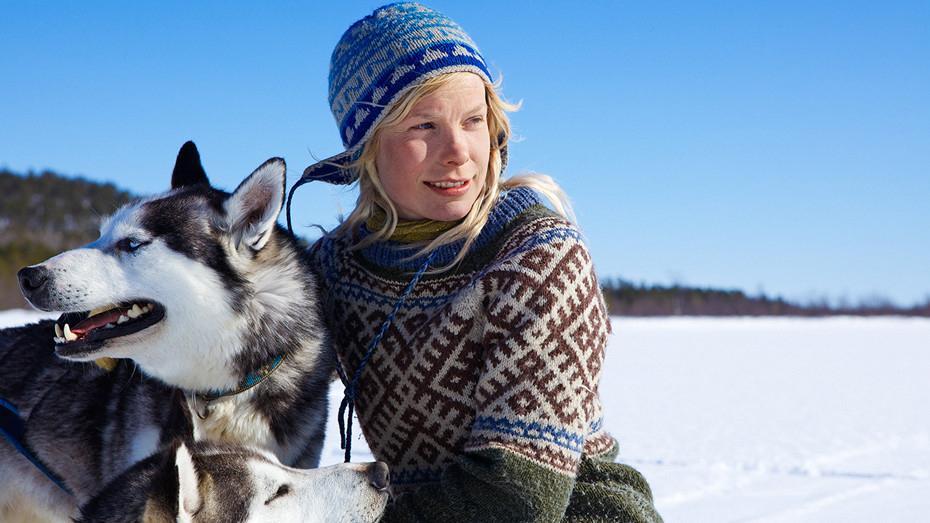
point(130, 244)
point(423, 126)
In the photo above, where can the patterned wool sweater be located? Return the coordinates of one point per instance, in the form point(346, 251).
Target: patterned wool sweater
point(482, 395)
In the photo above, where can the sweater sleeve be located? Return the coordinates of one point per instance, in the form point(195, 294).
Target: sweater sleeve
point(544, 346)
point(546, 329)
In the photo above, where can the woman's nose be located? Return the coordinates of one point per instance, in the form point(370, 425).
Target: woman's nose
point(455, 151)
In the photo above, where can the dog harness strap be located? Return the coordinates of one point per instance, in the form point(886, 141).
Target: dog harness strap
point(13, 428)
point(348, 401)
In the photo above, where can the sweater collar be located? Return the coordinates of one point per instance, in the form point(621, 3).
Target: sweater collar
point(410, 231)
point(396, 255)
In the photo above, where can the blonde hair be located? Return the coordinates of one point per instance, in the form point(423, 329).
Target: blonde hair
point(373, 199)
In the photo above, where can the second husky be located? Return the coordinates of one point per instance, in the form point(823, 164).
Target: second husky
point(211, 483)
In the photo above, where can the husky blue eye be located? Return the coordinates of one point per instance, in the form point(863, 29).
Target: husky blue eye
point(129, 244)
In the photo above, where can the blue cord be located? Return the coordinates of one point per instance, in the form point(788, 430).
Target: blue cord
point(348, 400)
point(13, 429)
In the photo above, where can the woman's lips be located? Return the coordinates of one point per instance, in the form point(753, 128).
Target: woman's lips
point(449, 188)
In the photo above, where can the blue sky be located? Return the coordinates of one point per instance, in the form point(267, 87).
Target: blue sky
point(776, 146)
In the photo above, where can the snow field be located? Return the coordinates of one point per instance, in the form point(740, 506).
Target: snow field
point(775, 419)
point(759, 419)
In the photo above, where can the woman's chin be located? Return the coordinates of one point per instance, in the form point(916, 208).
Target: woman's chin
point(450, 213)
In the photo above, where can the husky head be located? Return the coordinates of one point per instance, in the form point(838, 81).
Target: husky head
point(208, 483)
point(193, 285)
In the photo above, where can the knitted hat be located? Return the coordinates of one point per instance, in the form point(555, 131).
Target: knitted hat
point(377, 60)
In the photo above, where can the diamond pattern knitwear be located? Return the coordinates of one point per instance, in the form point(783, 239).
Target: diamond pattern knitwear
point(483, 394)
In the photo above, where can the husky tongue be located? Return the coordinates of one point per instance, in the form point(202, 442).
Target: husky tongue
point(97, 321)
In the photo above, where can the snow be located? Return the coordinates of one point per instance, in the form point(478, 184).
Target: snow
point(774, 419)
point(762, 420)
point(15, 317)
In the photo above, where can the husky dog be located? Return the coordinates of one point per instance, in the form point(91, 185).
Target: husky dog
point(211, 483)
point(209, 310)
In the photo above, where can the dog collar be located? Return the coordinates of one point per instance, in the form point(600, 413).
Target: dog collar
point(251, 380)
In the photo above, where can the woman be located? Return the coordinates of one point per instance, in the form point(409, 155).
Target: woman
point(466, 316)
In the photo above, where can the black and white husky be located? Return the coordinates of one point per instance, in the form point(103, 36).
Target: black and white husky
point(210, 483)
point(210, 312)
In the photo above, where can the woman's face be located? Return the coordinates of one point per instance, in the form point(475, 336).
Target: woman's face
point(433, 163)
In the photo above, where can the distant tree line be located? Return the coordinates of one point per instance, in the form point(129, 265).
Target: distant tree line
point(625, 298)
point(42, 214)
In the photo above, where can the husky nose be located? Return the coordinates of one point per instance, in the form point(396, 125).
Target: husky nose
point(378, 475)
point(32, 279)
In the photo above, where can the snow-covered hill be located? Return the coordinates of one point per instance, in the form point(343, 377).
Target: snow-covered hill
point(762, 419)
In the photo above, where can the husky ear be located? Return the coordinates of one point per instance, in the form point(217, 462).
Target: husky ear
point(188, 488)
point(253, 208)
point(187, 168)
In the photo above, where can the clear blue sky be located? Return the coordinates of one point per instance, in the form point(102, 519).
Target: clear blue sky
point(776, 146)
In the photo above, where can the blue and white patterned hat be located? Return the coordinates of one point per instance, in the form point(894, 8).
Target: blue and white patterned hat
point(377, 60)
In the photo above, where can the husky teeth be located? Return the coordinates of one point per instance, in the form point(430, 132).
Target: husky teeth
point(122, 319)
point(98, 310)
point(148, 308)
point(70, 336)
point(58, 339)
point(58, 332)
point(109, 326)
point(135, 311)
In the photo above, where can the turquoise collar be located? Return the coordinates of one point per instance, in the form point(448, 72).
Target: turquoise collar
point(251, 380)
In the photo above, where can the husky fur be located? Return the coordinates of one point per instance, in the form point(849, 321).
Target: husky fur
point(208, 483)
point(220, 291)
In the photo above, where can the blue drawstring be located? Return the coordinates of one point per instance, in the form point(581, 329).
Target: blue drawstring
point(290, 195)
point(347, 407)
point(348, 401)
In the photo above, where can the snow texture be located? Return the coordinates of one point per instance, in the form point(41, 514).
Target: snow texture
point(762, 420)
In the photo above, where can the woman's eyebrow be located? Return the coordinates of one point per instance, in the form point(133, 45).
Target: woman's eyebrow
point(481, 108)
